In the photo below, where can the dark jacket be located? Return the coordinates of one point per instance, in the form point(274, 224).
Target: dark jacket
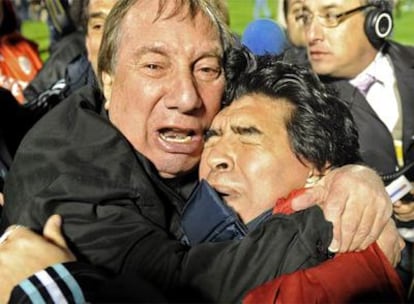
point(54, 69)
point(376, 143)
point(119, 214)
point(14, 123)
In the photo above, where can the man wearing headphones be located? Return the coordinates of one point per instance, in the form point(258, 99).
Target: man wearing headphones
point(347, 46)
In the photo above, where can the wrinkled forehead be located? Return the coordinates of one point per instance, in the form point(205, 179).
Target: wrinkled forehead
point(156, 10)
point(173, 19)
point(255, 109)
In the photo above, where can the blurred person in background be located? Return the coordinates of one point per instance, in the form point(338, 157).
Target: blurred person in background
point(22, 7)
point(292, 12)
point(42, 94)
point(19, 56)
point(348, 48)
point(19, 64)
point(69, 22)
point(261, 9)
point(296, 49)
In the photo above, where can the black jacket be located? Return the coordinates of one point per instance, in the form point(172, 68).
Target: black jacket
point(54, 69)
point(376, 143)
point(119, 214)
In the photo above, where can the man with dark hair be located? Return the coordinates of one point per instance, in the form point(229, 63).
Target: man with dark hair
point(347, 47)
point(283, 126)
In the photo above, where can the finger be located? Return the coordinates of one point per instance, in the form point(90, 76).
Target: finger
point(405, 208)
point(309, 198)
point(53, 232)
point(355, 227)
point(369, 233)
point(390, 238)
point(368, 230)
point(333, 214)
point(333, 209)
point(397, 204)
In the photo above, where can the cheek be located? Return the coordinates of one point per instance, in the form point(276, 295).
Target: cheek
point(204, 169)
point(126, 113)
point(281, 176)
point(212, 95)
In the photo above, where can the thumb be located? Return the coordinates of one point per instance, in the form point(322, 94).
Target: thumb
point(53, 231)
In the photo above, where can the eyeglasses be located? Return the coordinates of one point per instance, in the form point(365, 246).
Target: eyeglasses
point(329, 19)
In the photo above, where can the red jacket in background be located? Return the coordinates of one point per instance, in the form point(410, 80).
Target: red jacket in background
point(19, 63)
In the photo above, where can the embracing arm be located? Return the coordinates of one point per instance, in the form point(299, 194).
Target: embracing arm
point(68, 281)
point(19, 259)
point(129, 241)
point(354, 199)
point(188, 272)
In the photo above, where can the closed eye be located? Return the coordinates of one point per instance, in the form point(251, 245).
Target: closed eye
point(209, 134)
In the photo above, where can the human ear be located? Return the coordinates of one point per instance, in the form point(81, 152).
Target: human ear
point(314, 176)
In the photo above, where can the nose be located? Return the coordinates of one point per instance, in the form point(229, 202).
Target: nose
point(219, 158)
point(184, 94)
point(313, 31)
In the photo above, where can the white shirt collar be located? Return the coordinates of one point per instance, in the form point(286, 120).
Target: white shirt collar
point(381, 68)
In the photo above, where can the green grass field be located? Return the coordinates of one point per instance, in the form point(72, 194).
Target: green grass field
point(241, 13)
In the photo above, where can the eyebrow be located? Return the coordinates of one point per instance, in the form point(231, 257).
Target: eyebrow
point(149, 49)
point(162, 51)
point(325, 7)
point(247, 131)
point(330, 6)
point(244, 131)
point(97, 15)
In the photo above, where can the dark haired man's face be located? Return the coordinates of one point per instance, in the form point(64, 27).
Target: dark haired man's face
point(247, 156)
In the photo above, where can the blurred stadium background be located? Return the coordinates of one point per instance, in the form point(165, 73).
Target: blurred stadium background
point(241, 13)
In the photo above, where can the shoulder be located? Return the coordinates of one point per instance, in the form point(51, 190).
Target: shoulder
point(400, 51)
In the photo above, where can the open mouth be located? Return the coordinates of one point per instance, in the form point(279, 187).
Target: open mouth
point(176, 135)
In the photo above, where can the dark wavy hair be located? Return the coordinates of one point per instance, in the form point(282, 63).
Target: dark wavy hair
point(320, 128)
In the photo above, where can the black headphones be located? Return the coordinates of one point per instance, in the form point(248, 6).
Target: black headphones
point(378, 22)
